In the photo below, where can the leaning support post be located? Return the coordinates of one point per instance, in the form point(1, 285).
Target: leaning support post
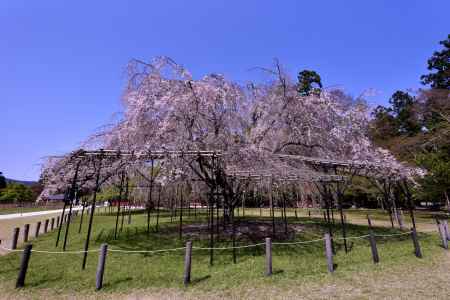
point(180, 228)
point(417, 250)
point(329, 252)
point(150, 200)
point(71, 199)
point(91, 216)
point(373, 247)
point(60, 221)
point(81, 218)
point(443, 236)
point(447, 232)
point(127, 199)
point(118, 205)
point(268, 256)
point(15, 238)
point(101, 266)
point(187, 263)
point(157, 209)
point(52, 224)
point(24, 266)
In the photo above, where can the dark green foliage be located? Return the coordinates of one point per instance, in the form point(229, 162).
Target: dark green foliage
point(436, 185)
point(15, 192)
point(309, 82)
point(404, 107)
point(2, 181)
point(384, 124)
point(440, 64)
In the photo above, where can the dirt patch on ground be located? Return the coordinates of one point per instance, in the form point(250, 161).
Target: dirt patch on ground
point(246, 230)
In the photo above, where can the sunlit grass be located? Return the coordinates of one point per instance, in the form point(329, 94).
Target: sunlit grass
point(126, 271)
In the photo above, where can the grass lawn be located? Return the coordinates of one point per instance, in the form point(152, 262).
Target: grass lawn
point(297, 268)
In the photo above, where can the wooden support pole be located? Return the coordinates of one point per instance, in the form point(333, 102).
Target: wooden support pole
point(187, 263)
point(443, 236)
point(81, 218)
point(24, 266)
point(15, 238)
point(447, 232)
point(26, 232)
point(38, 227)
point(46, 225)
point(268, 256)
point(157, 209)
point(101, 266)
point(373, 247)
point(57, 221)
point(415, 240)
point(52, 224)
point(91, 217)
point(329, 252)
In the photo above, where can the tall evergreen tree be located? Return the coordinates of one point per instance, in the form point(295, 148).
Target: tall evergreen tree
point(309, 82)
point(439, 63)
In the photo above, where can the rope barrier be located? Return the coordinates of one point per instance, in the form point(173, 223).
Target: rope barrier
point(394, 234)
point(301, 242)
point(227, 248)
point(146, 251)
point(206, 248)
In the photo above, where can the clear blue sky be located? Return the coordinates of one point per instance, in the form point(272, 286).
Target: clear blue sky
point(62, 63)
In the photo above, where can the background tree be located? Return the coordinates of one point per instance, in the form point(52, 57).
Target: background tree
point(309, 82)
point(404, 107)
point(2, 181)
point(440, 63)
point(16, 192)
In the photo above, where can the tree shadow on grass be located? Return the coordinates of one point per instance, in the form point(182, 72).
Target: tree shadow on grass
point(118, 281)
point(35, 283)
point(200, 279)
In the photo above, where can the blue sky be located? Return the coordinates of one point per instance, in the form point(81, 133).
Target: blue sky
point(62, 63)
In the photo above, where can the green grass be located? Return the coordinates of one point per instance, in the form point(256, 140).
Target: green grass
point(124, 272)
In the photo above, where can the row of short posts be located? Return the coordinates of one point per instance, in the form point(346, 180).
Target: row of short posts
point(443, 229)
point(26, 231)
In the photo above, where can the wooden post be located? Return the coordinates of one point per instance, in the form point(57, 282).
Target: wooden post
point(400, 220)
point(57, 221)
point(187, 263)
point(81, 218)
point(373, 246)
point(101, 266)
point(443, 235)
point(329, 252)
point(268, 256)
point(24, 266)
point(309, 213)
point(38, 227)
point(15, 238)
point(447, 232)
point(91, 215)
point(417, 250)
point(26, 231)
point(52, 223)
point(46, 225)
